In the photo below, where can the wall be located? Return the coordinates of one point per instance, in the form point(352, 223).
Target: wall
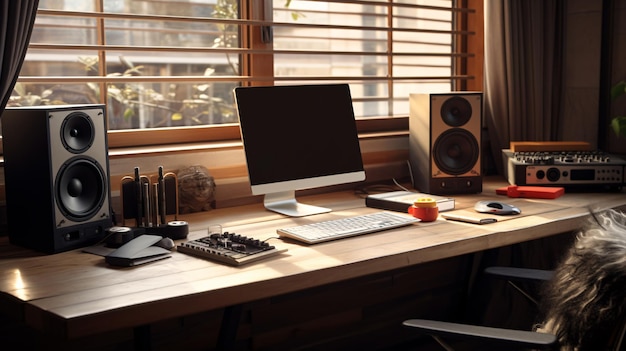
point(384, 158)
point(581, 70)
point(581, 63)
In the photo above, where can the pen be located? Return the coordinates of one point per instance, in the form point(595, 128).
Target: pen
point(138, 198)
point(146, 203)
point(172, 178)
point(467, 219)
point(156, 206)
point(127, 184)
point(161, 196)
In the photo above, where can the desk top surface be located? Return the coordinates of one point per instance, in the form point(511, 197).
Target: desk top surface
point(79, 294)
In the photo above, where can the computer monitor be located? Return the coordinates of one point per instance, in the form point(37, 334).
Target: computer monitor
point(298, 137)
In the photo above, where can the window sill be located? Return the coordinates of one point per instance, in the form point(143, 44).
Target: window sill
point(384, 156)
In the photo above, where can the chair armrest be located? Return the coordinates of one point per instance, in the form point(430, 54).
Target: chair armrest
point(494, 336)
point(520, 274)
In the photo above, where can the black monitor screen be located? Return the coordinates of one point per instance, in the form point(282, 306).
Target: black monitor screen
point(298, 132)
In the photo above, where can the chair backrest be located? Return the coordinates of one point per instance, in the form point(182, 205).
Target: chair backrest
point(585, 303)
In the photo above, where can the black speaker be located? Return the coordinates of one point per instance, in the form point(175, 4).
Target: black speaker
point(56, 169)
point(444, 142)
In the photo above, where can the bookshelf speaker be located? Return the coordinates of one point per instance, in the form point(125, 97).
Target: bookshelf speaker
point(444, 142)
point(57, 176)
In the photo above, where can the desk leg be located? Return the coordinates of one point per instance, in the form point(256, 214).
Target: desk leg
point(228, 329)
point(143, 341)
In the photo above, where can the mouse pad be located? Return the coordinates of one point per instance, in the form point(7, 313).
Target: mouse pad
point(527, 207)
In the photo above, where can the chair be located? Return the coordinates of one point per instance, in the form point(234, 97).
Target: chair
point(583, 306)
point(513, 275)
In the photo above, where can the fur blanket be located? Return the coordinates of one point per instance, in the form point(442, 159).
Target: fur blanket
point(585, 304)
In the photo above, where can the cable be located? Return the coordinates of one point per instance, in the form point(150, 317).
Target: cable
point(379, 188)
point(399, 186)
point(408, 163)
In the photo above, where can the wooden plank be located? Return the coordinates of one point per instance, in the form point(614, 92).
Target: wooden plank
point(548, 146)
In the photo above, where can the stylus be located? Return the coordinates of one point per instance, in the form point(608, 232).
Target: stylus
point(467, 219)
point(145, 183)
point(138, 198)
point(161, 198)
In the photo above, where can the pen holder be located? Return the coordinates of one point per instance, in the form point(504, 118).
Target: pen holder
point(425, 209)
point(149, 200)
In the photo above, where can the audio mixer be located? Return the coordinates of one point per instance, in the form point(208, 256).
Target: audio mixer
point(230, 248)
point(571, 169)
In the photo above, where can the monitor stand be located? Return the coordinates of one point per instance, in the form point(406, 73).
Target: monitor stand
point(285, 203)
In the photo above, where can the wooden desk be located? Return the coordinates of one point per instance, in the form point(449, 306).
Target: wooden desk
point(73, 294)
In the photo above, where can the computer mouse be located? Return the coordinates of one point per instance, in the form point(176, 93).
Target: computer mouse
point(165, 243)
point(496, 207)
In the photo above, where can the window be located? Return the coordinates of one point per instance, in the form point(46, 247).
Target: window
point(166, 68)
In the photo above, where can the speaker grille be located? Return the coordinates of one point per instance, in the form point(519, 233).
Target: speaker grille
point(80, 188)
point(456, 151)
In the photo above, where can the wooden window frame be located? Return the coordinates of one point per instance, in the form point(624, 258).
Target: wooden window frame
point(469, 21)
point(471, 66)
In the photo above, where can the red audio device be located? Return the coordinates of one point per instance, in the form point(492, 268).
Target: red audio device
point(535, 192)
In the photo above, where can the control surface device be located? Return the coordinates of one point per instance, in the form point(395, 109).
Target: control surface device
point(584, 169)
point(229, 248)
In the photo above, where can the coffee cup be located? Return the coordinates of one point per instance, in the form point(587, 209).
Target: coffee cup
point(425, 209)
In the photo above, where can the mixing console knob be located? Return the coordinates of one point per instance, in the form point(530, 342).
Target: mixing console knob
point(540, 174)
point(553, 174)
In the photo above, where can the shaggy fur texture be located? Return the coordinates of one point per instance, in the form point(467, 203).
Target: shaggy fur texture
point(586, 301)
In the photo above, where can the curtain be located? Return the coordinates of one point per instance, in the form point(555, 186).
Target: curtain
point(523, 72)
point(16, 24)
point(523, 101)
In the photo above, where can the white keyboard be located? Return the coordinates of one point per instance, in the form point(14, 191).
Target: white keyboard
point(345, 227)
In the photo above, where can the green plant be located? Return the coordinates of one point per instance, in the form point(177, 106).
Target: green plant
point(618, 123)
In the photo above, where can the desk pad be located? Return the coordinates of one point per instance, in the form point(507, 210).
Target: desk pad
point(528, 208)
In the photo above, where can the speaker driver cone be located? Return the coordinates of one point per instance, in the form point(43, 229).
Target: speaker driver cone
point(77, 132)
point(456, 111)
point(81, 188)
point(456, 151)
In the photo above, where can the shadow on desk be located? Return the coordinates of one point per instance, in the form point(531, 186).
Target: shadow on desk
point(8, 251)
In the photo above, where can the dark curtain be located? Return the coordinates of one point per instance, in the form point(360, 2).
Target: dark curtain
point(523, 101)
point(16, 25)
point(523, 71)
